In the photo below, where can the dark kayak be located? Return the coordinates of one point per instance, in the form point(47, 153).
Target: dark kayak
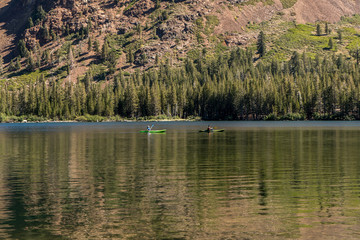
point(154, 131)
point(213, 130)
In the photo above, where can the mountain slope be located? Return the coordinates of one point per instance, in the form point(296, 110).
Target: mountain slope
point(324, 10)
point(142, 33)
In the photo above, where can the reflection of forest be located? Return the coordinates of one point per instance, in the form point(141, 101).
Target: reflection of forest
point(251, 184)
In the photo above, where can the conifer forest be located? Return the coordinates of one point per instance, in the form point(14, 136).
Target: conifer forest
point(228, 87)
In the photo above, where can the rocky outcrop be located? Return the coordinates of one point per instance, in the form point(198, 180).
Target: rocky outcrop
point(180, 27)
point(140, 9)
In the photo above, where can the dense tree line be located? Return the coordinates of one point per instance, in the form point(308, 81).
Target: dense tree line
point(229, 86)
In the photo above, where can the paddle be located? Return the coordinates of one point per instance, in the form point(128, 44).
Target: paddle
point(151, 127)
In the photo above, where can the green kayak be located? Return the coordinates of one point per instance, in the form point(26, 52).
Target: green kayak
point(153, 131)
point(213, 130)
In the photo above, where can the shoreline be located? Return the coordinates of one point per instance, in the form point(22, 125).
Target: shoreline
point(162, 118)
point(174, 120)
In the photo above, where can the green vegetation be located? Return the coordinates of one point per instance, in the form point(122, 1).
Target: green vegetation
point(303, 71)
point(304, 37)
point(288, 3)
point(253, 2)
point(211, 22)
point(353, 20)
point(261, 44)
point(226, 87)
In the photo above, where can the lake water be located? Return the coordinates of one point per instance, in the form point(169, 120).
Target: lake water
point(256, 180)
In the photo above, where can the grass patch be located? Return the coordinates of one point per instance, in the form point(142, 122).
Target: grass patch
point(288, 3)
point(254, 2)
point(297, 38)
point(24, 79)
point(211, 22)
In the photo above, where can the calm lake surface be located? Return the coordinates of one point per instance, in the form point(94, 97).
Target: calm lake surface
point(256, 180)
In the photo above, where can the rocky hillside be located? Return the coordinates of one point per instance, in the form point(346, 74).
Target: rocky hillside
point(69, 37)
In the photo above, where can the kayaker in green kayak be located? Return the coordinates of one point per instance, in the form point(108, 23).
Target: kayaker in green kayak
point(209, 128)
point(149, 128)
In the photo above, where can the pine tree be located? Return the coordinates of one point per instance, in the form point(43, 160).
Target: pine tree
point(111, 62)
point(100, 104)
point(90, 103)
point(71, 60)
point(330, 44)
point(97, 47)
point(89, 44)
point(327, 31)
point(89, 22)
point(30, 23)
point(67, 30)
point(261, 45)
point(18, 64)
point(356, 54)
point(340, 36)
point(143, 59)
point(155, 106)
point(138, 29)
point(318, 30)
point(157, 60)
point(131, 100)
point(109, 102)
point(130, 56)
point(105, 51)
point(46, 59)
point(40, 14)
point(88, 79)
point(11, 66)
point(30, 63)
point(23, 51)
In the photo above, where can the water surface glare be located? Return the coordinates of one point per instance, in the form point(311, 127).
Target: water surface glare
point(256, 180)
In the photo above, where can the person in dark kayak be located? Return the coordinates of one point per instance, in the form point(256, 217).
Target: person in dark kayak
point(209, 128)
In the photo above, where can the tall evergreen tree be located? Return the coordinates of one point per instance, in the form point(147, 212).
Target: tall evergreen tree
point(30, 62)
point(30, 23)
point(18, 64)
point(355, 53)
point(318, 30)
point(340, 36)
point(71, 59)
point(23, 51)
point(96, 47)
point(330, 44)
point(327, 30)
point(46, 58)
point(89, 44)
point(261, 44)
point(130, 56)
point(40, 14)
point(105, 52)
